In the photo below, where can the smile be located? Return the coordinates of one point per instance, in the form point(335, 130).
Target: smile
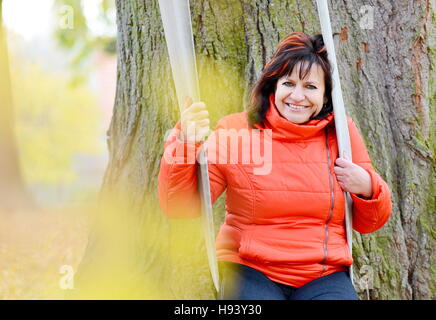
point(295, 107)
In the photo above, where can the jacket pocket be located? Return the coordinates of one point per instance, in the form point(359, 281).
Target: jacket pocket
point(348, 257)
point(243, 245)
point(264, 248)
point(246, 250)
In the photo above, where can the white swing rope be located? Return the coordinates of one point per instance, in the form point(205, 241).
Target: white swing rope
point(176, 19)
point(342, 133)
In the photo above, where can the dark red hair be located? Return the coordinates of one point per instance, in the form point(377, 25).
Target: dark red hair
point(296, 47)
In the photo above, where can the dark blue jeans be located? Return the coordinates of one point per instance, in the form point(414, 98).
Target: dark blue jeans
point(244, 283)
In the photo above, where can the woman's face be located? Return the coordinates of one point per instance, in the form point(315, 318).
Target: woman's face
point(298, 100)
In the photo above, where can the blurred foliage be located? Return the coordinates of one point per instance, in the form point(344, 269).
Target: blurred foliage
point(78, 33)
point(74, 34)
point(54, 122)
point(33, 248)
point(1, 12)
point(140, 264)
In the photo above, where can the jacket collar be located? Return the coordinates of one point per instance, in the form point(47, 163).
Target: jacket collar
point(283, 129)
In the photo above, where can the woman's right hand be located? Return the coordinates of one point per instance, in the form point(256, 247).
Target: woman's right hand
point(194, 121)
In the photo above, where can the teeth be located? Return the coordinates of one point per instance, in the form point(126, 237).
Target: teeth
point(295, 107)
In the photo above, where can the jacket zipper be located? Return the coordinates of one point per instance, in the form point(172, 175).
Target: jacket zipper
point(332, 202)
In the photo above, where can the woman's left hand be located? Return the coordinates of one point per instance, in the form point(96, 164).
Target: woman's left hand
point(353, 178)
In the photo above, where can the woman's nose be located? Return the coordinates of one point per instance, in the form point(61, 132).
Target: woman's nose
point(297, 94)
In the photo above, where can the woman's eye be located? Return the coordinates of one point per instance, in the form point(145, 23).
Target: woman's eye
point(311, 87)
point(288, 84)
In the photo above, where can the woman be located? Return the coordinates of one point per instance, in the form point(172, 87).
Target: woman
point(284, 235)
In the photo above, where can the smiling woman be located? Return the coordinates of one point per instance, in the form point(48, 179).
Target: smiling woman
point(298, 100)
point(283, 236)
point(299, 75)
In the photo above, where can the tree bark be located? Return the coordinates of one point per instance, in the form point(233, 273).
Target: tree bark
point(13, 193)
point(385, 74)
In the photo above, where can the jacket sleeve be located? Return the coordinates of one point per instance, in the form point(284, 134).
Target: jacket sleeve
point(369, 215)
point(177, 182)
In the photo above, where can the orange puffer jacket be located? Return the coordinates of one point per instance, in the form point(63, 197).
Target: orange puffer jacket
point(284, 207)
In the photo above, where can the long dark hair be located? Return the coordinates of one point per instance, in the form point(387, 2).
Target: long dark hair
point(296, 47)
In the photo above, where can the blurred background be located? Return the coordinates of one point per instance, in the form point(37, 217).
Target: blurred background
point(57, 86)
point(58, 74)
point(63, 74)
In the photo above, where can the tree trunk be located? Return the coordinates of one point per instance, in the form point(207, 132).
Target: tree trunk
point(385, 73)
point(13, 193)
